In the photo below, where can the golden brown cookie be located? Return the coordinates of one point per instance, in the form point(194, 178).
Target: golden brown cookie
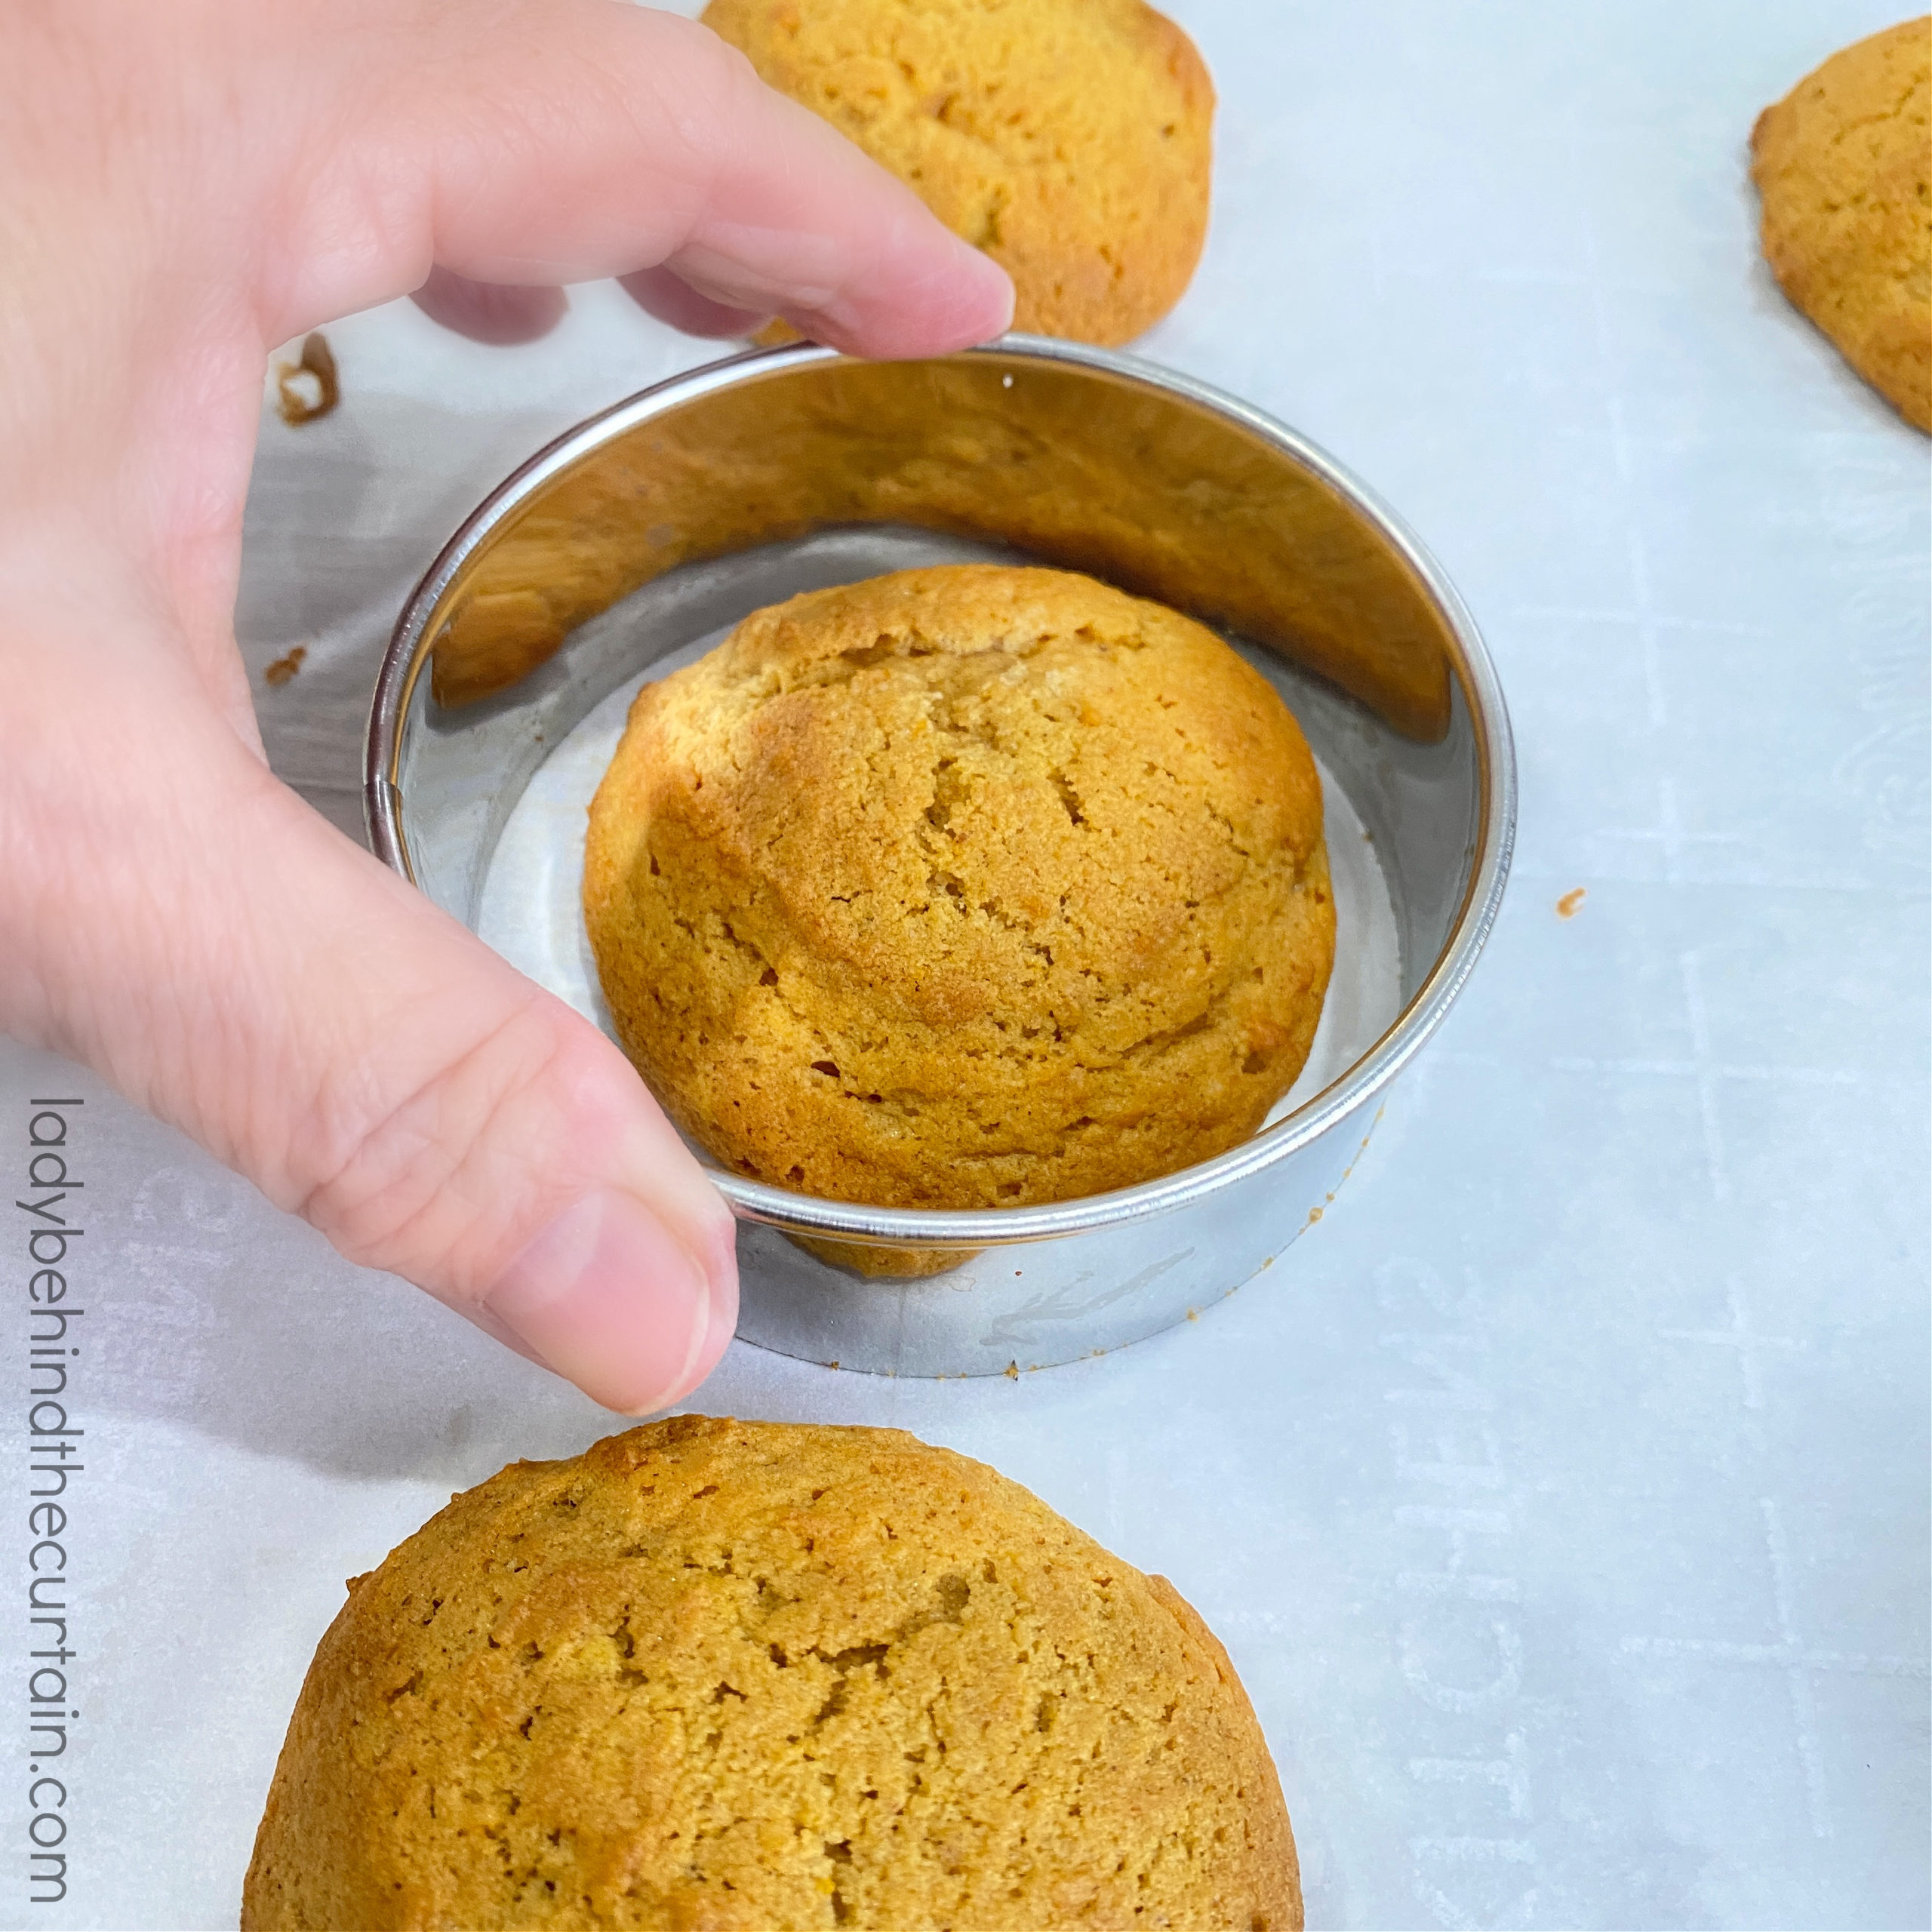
point(963, 887)
point(1070, 140)
point(1843, 165)
point(764, 1676)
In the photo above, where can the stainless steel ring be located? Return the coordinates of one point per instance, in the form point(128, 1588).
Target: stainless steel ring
point(1068, 397)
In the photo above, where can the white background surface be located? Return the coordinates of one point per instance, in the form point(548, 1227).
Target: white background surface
point(1562, 1498)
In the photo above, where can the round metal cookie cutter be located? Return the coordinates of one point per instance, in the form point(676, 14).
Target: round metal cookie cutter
point(667, 518)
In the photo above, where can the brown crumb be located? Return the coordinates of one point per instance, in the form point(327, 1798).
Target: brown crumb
point(283, 669)
point(1011, 1371)
point(317, 361)
point(1566, 906)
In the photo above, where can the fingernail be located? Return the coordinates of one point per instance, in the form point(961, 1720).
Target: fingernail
point(610, 1298)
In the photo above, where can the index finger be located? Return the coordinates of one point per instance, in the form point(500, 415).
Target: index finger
point(567, 140)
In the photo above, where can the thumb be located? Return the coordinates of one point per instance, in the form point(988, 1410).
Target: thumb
point(183, 923)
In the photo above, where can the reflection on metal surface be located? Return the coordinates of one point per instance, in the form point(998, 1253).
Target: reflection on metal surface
point(1095, 469)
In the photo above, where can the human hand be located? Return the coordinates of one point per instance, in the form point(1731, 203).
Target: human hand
point(185, 187)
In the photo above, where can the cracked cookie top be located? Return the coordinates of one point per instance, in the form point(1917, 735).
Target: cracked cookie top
point(768, 1676)
point(1069, 139)
point(964, 886)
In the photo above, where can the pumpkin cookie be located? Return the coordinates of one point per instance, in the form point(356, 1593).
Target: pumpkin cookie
point(1844, 166)
point(768, 1676)
point(963, 887)
point(1069, 139)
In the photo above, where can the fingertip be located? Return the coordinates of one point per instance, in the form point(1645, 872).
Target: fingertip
point(964, 298)
point(978, 304)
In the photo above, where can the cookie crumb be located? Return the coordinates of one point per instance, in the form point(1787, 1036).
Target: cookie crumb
point(1566, 906)
point(283, 669)
point(317, 364)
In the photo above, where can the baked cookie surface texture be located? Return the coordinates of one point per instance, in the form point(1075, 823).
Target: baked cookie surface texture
point(1844, 166)
point(767, 1677)
point(966, 887)
point(1069, 139)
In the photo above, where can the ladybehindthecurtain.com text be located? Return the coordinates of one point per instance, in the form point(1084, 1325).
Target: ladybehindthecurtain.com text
point(49, 1222)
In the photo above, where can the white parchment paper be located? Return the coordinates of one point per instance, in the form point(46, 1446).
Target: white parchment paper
point(1562, 1499)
